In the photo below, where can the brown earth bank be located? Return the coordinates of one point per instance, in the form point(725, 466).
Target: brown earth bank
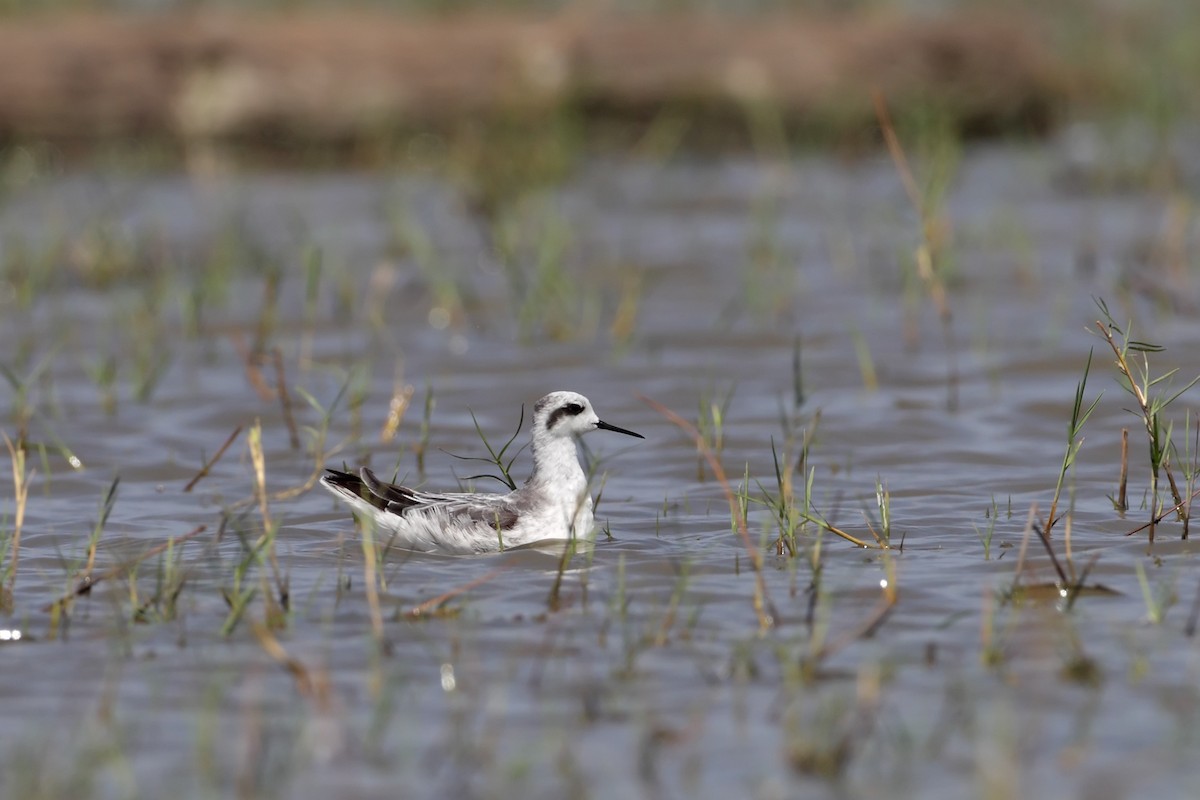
point(322, 77)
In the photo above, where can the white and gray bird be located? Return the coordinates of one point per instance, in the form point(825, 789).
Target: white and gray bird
point(554, 504)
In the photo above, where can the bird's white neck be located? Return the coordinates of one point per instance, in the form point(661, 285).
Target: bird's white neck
point(556, 464)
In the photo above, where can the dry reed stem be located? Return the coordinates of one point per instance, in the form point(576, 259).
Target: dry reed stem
point(1067, 526)
point(398, 406)
point(841, 534)
point(929, 244)
point(1179, 507)
point(87, 582)
point(883, 609)
point(1166, 512)
point(371, 580)
point(1045, 539)
point(258, 459)
point(987, 622)
point(897, 152)
point(937, 289)
point(204, 470)
point(310, 686)
point(554, 599)
point(423, 609)
point(294, 491)
point(260, 474)
point(253, 369)
point(1077, 582)
point(21, 497)
point(836, 531)
point(1030, 519)
point(763, 607)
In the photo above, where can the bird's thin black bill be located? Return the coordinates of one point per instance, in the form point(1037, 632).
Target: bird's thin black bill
point(604, 426)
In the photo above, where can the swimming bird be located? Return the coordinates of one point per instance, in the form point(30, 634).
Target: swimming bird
point(554, 504)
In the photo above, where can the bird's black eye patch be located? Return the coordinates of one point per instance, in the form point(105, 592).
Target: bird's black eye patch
point(569, 410)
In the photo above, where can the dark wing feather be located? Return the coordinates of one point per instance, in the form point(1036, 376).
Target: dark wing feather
point(347, 482)
point(384, 496)
point(401, 499)
point(390, 494)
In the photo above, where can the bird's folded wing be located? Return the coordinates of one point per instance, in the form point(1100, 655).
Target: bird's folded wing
point(493, 511)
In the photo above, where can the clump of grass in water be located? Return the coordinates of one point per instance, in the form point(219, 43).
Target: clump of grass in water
point(991, 514)
point(1133, 365)
point(764, 607)
point(1079, 417)
point(170, 578)
point(1070, 583)
point(240, 591)
point(106, 507)
point(710, 422)
point(496, 456)
point(259, 551)
point(84, 575)
point(792, 514)
point(883, 506)
point(25, 409)
point(318, 434)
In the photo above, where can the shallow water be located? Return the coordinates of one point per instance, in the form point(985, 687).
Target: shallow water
point(648, 674)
